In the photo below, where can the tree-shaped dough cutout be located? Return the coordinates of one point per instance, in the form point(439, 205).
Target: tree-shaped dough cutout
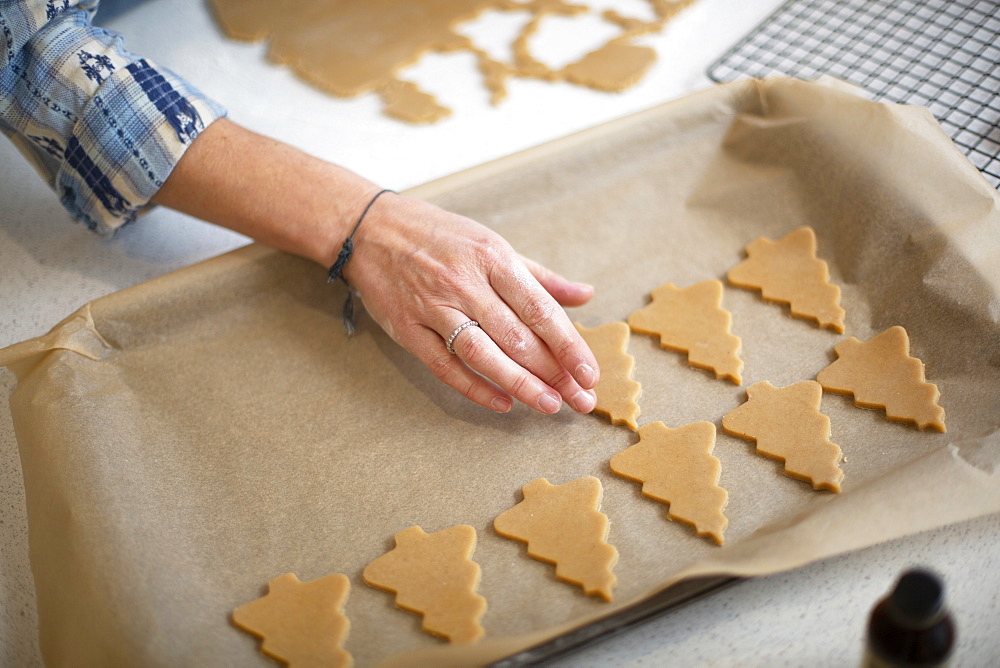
point(432, 574)
point(787, 424)
point(676, 467)
point(301, 623)
point(881, 374)
point(563, 525)
point(788, 271)
point(616, 390)
point(692, 320)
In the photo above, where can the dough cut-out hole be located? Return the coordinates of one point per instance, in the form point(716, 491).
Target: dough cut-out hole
point(494, 32)
point(446, 76)
point(641, 10)
point(561, 40)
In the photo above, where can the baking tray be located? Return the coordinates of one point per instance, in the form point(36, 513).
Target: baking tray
point(187, 439)
point(673, 597)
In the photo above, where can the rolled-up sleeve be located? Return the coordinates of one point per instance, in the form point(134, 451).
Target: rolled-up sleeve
point(103, 126)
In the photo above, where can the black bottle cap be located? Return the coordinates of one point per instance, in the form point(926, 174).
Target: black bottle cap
point(918, 599)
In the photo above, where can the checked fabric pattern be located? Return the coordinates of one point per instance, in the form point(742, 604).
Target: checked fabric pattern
point(102, 126)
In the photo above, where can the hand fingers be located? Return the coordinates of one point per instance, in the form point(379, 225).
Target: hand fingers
point(428, 347)
point(480, 353)
point(539, 311)
point(524, 347)
point(563, 290)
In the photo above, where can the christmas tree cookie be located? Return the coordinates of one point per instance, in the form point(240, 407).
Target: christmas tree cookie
point(563, 525)
point(786, 424)
point(789, 272)
point(692, 320)
point(616, 391)
point(881, 374)
point(676, 467)
point(302, 623)
point(433, 574)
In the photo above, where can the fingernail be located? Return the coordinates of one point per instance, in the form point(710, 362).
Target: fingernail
point(585, 375)
point(549, 403)
point(584, 401)
point(500, 404)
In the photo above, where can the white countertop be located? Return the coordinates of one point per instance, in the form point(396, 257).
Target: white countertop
point(50, 266)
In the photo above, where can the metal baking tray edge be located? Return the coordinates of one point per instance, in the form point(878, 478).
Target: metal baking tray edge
point(667, 600)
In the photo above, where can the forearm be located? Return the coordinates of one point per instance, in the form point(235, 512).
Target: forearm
point(422, 272)
point(268, 191)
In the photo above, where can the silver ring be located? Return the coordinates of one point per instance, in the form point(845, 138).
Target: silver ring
point(458, 330)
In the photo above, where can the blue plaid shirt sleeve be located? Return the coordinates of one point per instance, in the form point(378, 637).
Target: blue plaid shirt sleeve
point(103, 126)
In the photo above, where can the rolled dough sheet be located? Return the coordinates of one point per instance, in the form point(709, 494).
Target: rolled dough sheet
point(351, 47)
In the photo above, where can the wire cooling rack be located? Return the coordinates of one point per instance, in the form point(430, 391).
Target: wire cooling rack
point(941, 54)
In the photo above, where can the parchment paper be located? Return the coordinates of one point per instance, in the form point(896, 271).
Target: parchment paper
point(188, 439)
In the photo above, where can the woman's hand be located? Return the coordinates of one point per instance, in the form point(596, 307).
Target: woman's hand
point(424, 272)
point(421, 271)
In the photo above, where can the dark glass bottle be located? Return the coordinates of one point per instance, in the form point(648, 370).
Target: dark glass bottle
point(911, 626)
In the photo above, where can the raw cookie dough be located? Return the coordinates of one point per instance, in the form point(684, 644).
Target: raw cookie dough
point(563, 525)
point(352, 47)
point(786, 424)
point(302, 623)
point(789, 272)
point(616, 391)
point(692, 320)
point(881, 374)
point(433, 574)
point(676, 466)
point(614, 67)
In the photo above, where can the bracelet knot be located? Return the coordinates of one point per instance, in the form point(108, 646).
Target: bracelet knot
point(342, 258)
point(337, 270)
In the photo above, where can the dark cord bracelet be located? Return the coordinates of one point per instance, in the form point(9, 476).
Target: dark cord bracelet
point(337, 270)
